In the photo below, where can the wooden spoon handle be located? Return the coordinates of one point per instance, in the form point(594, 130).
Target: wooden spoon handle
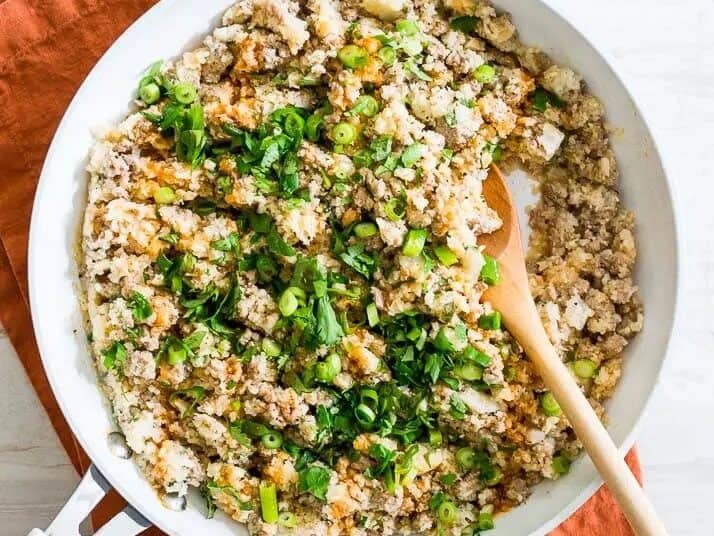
point(525, 325)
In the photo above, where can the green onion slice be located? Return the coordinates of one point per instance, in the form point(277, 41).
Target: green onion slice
point(550, 405)
point(484, 74)
point(365, 414)
point(272, 440)
point(414, 243)
point(344, 133)
point(288, 303)
point(269, 503)
point(388, 56)
point(445, 255)
point(446, 512)
point(490, 273)
point(407, 27)
point(184, 93)
point(164, 195)
point(561, 465)
point(365, 230)
point(584, 368)
point(271, 348)
point(353, 56)
point(395, 209)
point(490, 321)
point(150, 93)
point(372, 315)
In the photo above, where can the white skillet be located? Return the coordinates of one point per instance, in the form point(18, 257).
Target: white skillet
point(104, 98)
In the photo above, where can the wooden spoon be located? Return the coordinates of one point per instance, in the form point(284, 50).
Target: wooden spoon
point(512, 297)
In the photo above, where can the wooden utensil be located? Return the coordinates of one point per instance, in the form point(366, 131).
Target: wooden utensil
point(512, 297)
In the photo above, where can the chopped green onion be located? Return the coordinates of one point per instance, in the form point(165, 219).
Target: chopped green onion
point(443, 342)
point(353, 56)
point(366, 105)
point(288, 303)
point(469, 372)
point(445, 255)
point(344, 133)
point(485, 74)
point(561, 465)
point(466, 458)
point(407, 27)
point(334, 362)
point(490, 273)
point(369, 396)
point(446, 512)
point(491, 321)
point(269, 503)
point(394, 209)
point(584, 368)
point(485, 520)
point(435, 438)
point(271, 440)
point(294, 125)
point(372, 315)
point(184, 93)
point(412, 154)
point(388, 56)
point(150, 93)
point(362, 159)
point(472, 354)
point(411, 66)
point(411, 46)
point(299, 294)
point(365, 230)
point(550, 405)
point(491, 475)
point(326, 371)
point(365, 414)
point(414, 243)
point(164, 195)
point(176, 354)
point(271, 348)
point(236, 405)
point(314, 125)
point(287, 520)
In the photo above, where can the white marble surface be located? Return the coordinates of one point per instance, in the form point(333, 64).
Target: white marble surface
point(665, 50)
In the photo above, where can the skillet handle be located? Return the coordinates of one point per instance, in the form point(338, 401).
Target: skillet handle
point(89, 492)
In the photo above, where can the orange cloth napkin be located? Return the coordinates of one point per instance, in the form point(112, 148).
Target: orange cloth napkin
point(47, 47)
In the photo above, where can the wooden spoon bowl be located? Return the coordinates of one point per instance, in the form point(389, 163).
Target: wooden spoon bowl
point(512, 297)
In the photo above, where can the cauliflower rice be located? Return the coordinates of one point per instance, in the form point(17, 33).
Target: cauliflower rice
point(283, 282)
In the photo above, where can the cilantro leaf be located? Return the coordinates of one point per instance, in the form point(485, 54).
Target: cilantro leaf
point(115, 355)
point(314, 480)
point(277, 245)
point(328, 329)
point(140, 306)
point(359, 260)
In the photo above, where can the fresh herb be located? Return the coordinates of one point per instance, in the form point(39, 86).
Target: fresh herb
point(270, 153)
point(457, 408)
point(359, 260)
point(543, 98)
point(314, 480)
point(411, 66)
point(186, 400)
point(140, 306)
point(115, 355)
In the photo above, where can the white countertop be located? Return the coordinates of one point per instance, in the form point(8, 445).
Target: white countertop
point(665, 50)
